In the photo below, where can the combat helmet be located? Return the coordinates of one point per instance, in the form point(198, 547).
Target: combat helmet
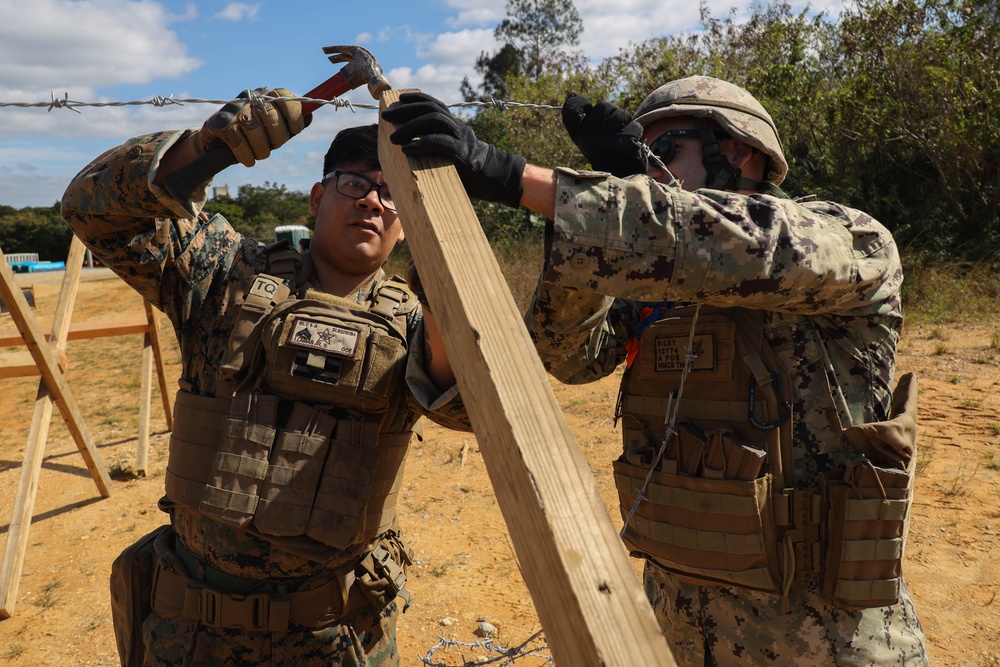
point(732, 107)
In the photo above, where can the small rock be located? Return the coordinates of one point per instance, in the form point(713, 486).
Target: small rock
point(448, 620)
point(485, 629)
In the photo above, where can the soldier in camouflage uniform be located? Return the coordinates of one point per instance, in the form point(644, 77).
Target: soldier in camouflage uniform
point(283, 547)
point(758, 335)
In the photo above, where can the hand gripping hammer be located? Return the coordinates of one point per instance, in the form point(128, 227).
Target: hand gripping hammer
point(361, 68)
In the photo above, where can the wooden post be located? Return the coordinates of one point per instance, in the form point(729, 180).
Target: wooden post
point(24, 502)
point(166, 396)
point(588, 599)
point(146, 395)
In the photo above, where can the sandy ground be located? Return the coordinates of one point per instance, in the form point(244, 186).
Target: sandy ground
point(466, 571)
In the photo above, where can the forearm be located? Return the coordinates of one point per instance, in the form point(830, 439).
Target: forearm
point(438, 367)
point(538, 186)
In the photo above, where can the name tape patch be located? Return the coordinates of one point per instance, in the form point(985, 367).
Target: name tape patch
point(324, 336)
point(671, 353)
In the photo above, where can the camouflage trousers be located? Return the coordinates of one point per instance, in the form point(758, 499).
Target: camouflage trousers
point(367, 639)
point(710, 626)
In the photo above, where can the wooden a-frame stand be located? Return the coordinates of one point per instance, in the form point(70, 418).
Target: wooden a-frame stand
point(48, 360)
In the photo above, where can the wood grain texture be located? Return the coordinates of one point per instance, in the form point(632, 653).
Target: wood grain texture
point(588, 599)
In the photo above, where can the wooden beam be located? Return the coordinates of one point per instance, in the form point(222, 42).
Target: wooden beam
point(588, 598)
point(87, 329)
point(145, 397)
point(166, 395)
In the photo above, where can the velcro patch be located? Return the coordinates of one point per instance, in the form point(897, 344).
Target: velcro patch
point(265, 287)
point(324, 336)
point(671, 353)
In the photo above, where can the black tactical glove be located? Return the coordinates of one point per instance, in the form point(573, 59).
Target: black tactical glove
point(252, 128)
point(606, 135)
point(426, 127)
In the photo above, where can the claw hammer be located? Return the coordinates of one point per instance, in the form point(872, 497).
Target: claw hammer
point(361, 68)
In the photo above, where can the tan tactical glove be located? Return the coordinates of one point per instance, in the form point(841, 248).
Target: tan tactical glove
point(251, 127)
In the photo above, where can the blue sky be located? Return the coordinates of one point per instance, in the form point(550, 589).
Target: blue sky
point(123, 50)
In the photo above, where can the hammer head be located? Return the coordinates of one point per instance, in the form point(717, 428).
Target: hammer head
point(361, 68)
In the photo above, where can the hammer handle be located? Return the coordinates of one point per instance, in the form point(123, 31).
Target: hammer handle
point(183, 182)
point(332, 88)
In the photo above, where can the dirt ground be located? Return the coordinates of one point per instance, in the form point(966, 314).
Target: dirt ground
point(466, 571)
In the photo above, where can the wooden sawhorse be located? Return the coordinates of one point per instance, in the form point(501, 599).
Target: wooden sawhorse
point(47, 358)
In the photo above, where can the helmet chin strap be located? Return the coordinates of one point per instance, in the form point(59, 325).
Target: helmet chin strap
point(720, 172)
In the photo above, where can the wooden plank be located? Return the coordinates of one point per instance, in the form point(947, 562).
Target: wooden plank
point(21, 364)
point(145, 397)
point(87, 329)
point(586, 593)
point(166, 395)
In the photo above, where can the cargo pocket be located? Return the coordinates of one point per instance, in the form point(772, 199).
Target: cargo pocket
point(240, 465)
point(292, 478)
point(868, 511)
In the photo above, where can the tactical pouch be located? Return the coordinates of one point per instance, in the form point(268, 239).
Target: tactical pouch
point(867, 518)
point(338, 514)
point(239, 467)
point(332, 351)
point(290, 484)
point(708, 531)
point(868, 508)
point(132, 596)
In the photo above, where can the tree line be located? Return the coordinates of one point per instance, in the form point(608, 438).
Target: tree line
point(892, 107)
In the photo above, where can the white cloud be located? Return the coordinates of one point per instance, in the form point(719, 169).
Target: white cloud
point(458, 48)
point(58, 45)
point(238, 11)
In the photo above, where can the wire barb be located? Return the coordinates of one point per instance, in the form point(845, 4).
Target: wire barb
point(254, 98)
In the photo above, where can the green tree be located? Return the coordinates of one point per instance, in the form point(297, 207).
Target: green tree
point(258, 209)
point(39, 230)
point(920, 116)
point(534, 32)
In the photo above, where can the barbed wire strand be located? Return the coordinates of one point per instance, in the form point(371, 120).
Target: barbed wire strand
point(504, 658)
point(157, 101)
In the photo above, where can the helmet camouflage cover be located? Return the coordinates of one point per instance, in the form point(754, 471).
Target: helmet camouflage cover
point(732, 107)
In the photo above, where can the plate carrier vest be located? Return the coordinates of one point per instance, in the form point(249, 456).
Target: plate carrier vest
point(721, 507)
point(297, 443)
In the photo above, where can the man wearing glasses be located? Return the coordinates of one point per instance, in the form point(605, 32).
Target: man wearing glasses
point(303, 377)
point(766, 471)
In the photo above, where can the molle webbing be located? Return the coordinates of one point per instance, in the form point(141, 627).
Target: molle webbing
point(715, 509)
point(868, 513)
point(334, 480)
point(703, 530)
point(244, 340)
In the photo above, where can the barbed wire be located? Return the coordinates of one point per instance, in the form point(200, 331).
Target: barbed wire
point(504, 657)
point(157, 101)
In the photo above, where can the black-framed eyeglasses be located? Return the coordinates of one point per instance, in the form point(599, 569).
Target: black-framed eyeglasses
point(664, 147)
point(357, 186)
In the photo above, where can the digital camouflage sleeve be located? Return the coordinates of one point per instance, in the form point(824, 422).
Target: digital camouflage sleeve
point(828, 276)
point(192, 266)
